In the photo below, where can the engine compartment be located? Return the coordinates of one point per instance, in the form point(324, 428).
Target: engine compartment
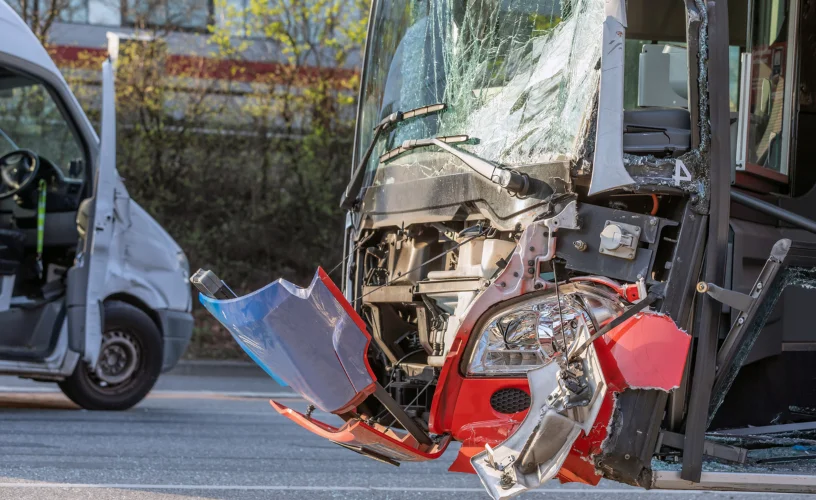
point(415, 284)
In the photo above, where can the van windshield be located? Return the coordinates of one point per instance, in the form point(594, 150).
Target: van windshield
point(31, 119)
point(518, 76)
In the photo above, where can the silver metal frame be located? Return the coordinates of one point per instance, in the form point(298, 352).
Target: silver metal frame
point(791, 79)
point(746, 61)
point(737, 481)
point(6, 287)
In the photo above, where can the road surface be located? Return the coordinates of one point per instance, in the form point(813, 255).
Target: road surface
point(215, 436)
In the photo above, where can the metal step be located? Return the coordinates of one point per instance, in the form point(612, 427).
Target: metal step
point(737, 481)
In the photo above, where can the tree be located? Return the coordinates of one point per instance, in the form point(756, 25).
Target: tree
point(40, 15)
point(242, 154)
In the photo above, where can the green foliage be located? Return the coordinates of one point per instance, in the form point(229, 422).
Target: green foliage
point(246, 170)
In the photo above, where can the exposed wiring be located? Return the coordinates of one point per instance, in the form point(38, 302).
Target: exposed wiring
point(643, 304)
point(396, 365)
point(356, 247)
point(560, 313)
point(481, 233)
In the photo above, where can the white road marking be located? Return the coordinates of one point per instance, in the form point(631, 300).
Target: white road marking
point(166, 392)
point(220, 487)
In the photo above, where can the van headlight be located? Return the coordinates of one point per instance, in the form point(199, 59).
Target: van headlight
point(184, 264)
point(528, 334)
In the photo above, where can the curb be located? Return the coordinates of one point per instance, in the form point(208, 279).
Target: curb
point(217, 368)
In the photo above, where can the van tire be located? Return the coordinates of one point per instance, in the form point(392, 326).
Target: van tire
point(133, 341)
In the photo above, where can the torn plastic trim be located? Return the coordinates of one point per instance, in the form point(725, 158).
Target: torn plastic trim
point(608, 170)
point(368, 438)
point(688, 173)
point(311, 338)
point(538, 448)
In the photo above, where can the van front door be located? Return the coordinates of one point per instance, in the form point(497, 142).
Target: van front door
point(101, 219)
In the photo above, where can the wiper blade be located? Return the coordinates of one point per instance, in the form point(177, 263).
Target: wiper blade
point(418, 143)
point(353, 189)
point(511, 180)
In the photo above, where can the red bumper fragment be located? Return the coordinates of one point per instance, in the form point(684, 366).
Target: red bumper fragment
point(359, 435)
point(646, 352)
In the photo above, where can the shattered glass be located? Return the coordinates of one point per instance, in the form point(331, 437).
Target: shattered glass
point(791, 276)
point(518, 76)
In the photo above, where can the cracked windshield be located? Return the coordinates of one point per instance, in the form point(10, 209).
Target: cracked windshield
point(518, 77)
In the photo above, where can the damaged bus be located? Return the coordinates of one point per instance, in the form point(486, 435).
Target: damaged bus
point(570, 227)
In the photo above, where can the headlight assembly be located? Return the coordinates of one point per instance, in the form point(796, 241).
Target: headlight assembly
point(528, 334)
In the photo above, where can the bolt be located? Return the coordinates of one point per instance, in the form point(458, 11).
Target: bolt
point(580, 245)
point(516, 274)
point(653, 222)
point(502, 284)
point(626, 456)
point(531, 271)
point(538, 286)
point(640, 276)
point(702, 287)
point(532, 249)
point(506, 481)
point(759, 286)
point(741, 321)
point(530, 262)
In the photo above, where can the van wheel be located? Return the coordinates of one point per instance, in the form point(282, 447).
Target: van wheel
point(130, 360)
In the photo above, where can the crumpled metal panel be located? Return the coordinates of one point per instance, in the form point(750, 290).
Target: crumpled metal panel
point(544, 426)
point(310, 338)
point(646, 352)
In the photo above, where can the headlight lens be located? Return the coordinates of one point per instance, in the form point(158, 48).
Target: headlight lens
point(528, 334)
point(184, 264)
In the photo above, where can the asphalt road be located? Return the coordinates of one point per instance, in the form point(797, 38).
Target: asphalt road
point(216, 437)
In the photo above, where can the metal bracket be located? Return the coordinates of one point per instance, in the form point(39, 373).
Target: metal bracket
point(403, 418)
point(737, 300)
point(566, 219)
point(732, 352)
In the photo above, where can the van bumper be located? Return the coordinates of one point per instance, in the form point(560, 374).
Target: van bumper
point(177, 329)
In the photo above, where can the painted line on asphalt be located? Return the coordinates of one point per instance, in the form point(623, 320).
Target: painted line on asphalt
point(5, 389)
point(393, 489)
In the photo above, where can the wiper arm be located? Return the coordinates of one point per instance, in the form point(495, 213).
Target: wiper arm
point(511, 180)
point(353, 189)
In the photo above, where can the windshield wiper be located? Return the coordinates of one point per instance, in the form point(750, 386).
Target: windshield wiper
point(353, 189)
point(513, 181)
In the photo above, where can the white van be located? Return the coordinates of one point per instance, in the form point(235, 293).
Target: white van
point(93, 291)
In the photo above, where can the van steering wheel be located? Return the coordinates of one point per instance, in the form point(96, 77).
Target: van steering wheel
point(18, 170)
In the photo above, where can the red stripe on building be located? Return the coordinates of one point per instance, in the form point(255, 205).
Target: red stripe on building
point(212, 68)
